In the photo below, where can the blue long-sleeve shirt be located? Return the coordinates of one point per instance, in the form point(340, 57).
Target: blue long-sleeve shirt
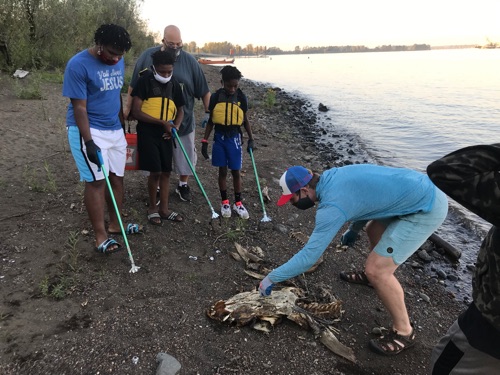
point(353, 193)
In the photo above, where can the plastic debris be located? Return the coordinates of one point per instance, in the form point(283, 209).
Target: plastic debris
point(135, 359)
point(19, 73)
point(167, 365)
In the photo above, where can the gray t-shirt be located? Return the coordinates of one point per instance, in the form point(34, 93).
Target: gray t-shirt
point(188, 73)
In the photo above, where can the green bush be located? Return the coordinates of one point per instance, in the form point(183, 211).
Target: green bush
point(29, 87)
point(270, 98)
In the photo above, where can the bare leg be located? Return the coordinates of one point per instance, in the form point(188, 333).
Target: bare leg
point(380, 271)
point(222, 178)
point(117, 186)
point(153, 183)
point(164, 192)
point(94, 202)
point(236, 181)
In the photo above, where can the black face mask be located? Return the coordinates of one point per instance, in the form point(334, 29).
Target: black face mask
point(304, 203)
point(175, 51)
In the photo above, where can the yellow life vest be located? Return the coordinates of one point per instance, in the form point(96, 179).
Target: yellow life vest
point(159, 103)
point(228, 110)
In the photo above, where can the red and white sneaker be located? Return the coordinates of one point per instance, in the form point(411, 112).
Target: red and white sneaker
point(225, 208)
point(240, 210)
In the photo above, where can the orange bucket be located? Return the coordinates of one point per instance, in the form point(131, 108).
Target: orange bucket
point(132, 154)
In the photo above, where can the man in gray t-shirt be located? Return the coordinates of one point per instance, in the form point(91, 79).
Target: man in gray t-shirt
point(189, 74)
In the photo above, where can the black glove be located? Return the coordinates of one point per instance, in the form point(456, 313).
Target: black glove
point(204, 150)
point(92, 150)
point(349, 238)
point(250, 145)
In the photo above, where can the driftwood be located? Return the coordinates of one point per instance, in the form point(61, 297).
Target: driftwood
point(450, 250)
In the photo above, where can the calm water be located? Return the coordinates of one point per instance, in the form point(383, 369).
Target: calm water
point(408, 108)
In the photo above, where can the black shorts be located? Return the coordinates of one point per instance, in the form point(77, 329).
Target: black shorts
point(155, 152)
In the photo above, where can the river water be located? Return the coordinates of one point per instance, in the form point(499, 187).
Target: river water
point(407, 108)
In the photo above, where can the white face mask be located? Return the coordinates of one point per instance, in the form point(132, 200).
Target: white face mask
point(160, 78)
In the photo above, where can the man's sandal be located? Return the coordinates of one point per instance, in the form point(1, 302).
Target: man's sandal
point(109, 246)
point(355, 277)
point(155, 219)
point(392, 343)
point(131, 229)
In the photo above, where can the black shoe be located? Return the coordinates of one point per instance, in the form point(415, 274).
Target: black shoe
point(184, 193)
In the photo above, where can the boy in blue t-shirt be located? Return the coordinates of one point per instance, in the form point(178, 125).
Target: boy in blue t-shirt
point(92, 81)
point(228, 113)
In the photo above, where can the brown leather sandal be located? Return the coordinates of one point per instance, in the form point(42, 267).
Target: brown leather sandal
point(392, 343)
point(355, 277)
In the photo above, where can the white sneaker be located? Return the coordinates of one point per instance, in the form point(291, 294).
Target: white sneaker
point(241, 210)
point(225, 208)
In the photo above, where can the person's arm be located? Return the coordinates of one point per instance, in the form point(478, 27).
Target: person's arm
point(206, 101)
point(246, 122)
point(209, 107)
point(248, 128)
point(121, 115)
point(82, 121)
point(82, 118)
point(471, 176)
point(144, 117)
point(128, 105)
point(179, 117)
point(351, 234)
point(208, 129)
point(250, 142)
point(328, 223)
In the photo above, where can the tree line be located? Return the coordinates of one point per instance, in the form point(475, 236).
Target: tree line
point(45, 34)
point(226, 48)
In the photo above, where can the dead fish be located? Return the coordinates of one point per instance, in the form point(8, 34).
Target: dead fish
point(263, 313)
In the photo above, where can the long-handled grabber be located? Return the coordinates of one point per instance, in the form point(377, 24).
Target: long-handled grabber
point(134, 268)
point(265, 218)
point(215, 215)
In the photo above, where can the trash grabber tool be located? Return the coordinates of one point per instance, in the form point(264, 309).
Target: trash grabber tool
point(134, 268)
point(265, 218)
point(215, 215)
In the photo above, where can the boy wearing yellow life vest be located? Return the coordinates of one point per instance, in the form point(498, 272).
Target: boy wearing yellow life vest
point(158, 107)
point(228, 114)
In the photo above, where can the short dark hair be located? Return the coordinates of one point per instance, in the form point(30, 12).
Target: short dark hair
point(163, 58)
point(113, 35)
point(314, 180)
point(229, 73)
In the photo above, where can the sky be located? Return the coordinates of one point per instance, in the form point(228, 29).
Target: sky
point(314, 23)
